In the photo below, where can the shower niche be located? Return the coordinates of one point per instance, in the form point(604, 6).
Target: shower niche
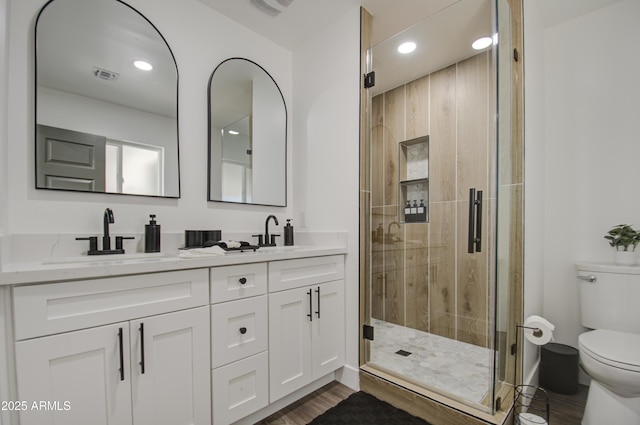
point(413, 180)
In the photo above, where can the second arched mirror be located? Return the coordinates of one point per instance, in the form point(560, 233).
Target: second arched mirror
point(247, 135)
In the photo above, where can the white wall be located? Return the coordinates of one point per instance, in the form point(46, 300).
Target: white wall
point(200, 39)
point(534, 119)
point(584, 112)
point(326, 153)
point(4, 354)
point(4, 104)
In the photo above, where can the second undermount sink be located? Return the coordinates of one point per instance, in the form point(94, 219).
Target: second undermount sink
point(272, 249)
point(109, 258)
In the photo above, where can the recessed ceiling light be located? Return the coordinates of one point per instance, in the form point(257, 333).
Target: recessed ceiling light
point(233, 132)
point(407, 47)
point(143, 65)
point(482, 43)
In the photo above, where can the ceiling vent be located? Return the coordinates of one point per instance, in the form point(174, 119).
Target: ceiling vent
point(271, 7)
point(104, 74)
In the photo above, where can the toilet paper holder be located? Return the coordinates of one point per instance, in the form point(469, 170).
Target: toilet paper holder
point(537, 332)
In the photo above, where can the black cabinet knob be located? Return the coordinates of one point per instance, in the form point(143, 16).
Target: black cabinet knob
point(242, 280)
point(243, 330)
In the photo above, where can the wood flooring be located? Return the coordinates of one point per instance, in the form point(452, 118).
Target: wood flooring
point(307, 408)
point(565, 409)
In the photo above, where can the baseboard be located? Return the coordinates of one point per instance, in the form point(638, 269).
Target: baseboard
point(349, 376)
point(532, 377)
point(287, 400)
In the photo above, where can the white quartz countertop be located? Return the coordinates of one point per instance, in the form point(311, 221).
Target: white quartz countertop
point(73, 268)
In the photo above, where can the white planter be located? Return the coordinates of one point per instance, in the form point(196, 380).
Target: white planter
point(626, 258)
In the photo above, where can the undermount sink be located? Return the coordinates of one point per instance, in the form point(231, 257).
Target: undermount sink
point(271, 249)
point(137, 257)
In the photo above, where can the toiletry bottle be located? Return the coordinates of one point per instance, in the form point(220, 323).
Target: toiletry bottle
point(414, 211)
point(422, 211)
point(288, 233)
point(152, 235)
point(407, 212)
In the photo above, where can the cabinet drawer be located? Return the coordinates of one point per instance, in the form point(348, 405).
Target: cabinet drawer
point(235, 282)
point(240, 388)
point(238, 329)
point(62, 307)
point(290, 274)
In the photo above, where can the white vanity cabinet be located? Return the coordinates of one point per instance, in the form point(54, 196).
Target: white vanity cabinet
point(239, 341)
point(221, 343)
point(84, 348)
point(306, 321)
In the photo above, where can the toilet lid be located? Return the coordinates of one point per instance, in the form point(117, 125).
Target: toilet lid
point(617, 349)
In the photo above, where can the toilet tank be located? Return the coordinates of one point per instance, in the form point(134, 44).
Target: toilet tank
point(612, 299)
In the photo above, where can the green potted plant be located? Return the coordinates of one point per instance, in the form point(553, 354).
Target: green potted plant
point(624, 239)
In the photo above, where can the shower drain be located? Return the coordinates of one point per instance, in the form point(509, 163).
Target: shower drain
point(403, 353)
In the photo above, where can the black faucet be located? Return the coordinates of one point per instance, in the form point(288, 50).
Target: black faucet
point(391, 236)
point(263, 240)
point(391, 224)
point(268, 242)
point(106, 239)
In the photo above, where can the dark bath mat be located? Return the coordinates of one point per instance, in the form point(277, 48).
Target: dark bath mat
point(362, 408)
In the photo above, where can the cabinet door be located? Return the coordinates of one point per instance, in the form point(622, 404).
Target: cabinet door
point(289, 341)
point(328, 331)
point(79, 374)
point(171, 369)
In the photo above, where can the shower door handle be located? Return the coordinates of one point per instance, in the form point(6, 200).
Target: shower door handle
point(478, 238)
point(474, 243)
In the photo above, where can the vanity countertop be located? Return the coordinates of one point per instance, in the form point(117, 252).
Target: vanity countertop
point(97, 267)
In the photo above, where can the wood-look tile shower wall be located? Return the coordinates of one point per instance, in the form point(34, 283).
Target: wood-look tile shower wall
point(422, 276)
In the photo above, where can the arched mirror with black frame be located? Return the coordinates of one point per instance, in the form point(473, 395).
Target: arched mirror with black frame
point(106, 85)
point(247, 135)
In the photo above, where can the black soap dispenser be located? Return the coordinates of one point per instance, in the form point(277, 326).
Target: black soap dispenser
point(288, 233)
point(152, 235)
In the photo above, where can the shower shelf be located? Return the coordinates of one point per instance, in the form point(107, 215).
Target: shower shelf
point(413, 180)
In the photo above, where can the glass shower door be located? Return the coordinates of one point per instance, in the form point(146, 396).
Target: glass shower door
point(431, 297)
point(509, 236)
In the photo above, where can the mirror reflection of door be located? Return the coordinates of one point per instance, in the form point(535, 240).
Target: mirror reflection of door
point(70, 160)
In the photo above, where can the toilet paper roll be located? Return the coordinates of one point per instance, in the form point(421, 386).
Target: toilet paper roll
point(538, 330)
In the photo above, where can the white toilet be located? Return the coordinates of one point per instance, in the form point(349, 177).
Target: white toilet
point(610, 350)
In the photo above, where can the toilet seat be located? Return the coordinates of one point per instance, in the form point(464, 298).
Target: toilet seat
point(612, 348)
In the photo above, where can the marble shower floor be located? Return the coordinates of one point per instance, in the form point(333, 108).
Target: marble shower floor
point(451, 367)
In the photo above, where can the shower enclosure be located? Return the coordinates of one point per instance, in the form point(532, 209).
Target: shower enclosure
point(441, 207)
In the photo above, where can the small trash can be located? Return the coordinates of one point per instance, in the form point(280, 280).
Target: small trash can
point(559, 368)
